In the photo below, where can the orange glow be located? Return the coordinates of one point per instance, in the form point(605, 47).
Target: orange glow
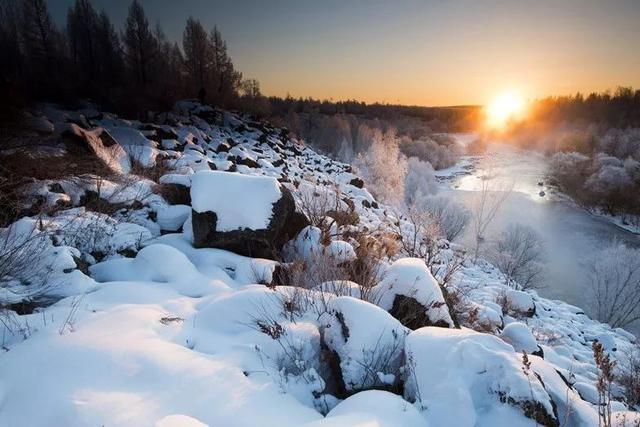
point(505, 108)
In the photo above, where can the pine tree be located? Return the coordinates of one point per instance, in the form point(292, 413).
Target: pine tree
point(226, 80)
point(81, 32)
point(196, 52)
point(38, 32)
point(139, 43)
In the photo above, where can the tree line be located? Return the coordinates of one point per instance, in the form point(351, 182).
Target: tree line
point(619, 109)
point(129, 70)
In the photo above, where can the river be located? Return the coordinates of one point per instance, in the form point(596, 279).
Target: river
point(571, 234)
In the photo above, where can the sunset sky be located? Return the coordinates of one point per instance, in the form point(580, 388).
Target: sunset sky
point(429, 52)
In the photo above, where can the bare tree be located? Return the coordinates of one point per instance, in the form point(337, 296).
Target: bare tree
point(490, 198)
point(418, 234)
point(518, 253)
point(452, 216)
point(614, 285)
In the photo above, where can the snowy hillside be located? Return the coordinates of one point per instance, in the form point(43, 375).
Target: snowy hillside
point(209, 270)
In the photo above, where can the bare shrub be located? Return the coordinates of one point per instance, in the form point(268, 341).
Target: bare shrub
point(317, 202)
point(153, 172)
point(614, 285)
point(518, 253)
point(418, 234)
point(489, 199)
point(629, 376)
point(452, 216)
point(605, 380)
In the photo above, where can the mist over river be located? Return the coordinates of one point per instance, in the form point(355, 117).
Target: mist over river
point(571, 234)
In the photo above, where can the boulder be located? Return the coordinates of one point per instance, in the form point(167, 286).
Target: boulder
point(457, 374)
point(99, 143)
point(519, 303)
point(249, 215)
point(357, 182)
point(363, 345)
point(413, 296)
point(520, 337)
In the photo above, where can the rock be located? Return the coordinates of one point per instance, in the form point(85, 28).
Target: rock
point(413, 296)
point(174, 194)
point(247, 161)
point(520, 337)
point(38, 124)
point(519, 303)
point(100, 143)
point(173, 217)
point(357, 182)
point(249, 215)
point(364, 345)
point(223, 147)
point(459, 373)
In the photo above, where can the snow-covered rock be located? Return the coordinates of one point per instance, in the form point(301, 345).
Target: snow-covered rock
point(465, 378)
point(367, 344)
point(372, 408)
point(171, 218)
point(411, 294)
point(249, 215)
point(520, 337)
point(181, 335)
point(520, 303)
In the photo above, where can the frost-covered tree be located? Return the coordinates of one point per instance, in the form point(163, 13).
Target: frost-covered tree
point(419, 183)
point(519, 254)
point(384, 169)
point(441, 153)
point(614, 285)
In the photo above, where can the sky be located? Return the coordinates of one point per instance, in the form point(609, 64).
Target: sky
point(415, 52)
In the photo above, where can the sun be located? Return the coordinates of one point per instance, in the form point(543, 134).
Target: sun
point(504, 108)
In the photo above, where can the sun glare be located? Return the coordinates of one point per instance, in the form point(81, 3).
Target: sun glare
point(504, 108)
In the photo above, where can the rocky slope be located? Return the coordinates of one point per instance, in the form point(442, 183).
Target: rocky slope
point(207, 269)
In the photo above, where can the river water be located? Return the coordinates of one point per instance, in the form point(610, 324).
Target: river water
point(571, 234)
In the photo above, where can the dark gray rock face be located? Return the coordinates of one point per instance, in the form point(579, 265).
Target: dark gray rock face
point(285, 224)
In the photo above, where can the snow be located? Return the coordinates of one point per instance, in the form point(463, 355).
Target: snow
point(171, 335)
point(172, 217)
point(157, 262)
point(179, 421)
point(411, 277)
point(127, 136)
point(239, 201)
point(460, 374)
point(340, 251)
point(174, 178)
point(519, 301)
point(372, 408)
point(520, 337)
point(367, 349)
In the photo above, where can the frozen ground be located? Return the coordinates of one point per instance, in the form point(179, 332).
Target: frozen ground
point(146, 330)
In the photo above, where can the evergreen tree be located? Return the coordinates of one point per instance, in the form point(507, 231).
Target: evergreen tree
point(139, 43)
point(196, 53)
